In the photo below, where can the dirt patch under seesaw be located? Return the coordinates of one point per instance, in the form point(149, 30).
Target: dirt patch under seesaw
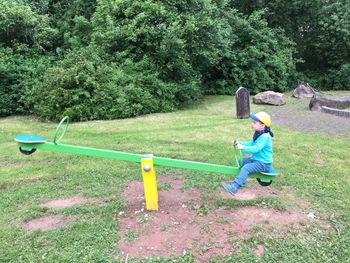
point(185, 223)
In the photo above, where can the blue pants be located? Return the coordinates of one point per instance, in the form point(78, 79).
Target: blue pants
point(250, 166)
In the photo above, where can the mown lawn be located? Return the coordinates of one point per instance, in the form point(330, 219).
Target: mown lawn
point(315, 168)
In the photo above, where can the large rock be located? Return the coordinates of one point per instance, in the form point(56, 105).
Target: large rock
point(303, 90)
point(335, 102)
point(269, 97)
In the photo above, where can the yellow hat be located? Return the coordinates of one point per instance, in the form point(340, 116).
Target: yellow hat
point(262, 117)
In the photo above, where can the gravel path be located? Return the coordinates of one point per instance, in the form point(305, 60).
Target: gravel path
point(296, 115)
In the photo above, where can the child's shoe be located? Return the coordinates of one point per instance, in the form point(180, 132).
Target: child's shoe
point(232, 188)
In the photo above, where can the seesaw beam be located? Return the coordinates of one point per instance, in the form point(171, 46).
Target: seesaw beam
point(131, 157)
point(147, 163)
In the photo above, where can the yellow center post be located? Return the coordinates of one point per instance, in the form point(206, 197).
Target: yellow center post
point(149, 183)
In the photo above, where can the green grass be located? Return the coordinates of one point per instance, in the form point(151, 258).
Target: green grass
point(131, 235)
point(315, 168)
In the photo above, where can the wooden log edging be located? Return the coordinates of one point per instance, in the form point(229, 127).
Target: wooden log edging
point(338, 112)
point(334, 102)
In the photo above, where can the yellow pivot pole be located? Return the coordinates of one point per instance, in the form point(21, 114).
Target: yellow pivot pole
point(149, 183)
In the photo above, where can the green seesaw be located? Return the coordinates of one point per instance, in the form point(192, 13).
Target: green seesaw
point(28, 144)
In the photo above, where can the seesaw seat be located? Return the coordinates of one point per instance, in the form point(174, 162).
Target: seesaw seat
point(265, 178)
point(30, 139)
point(271, 172)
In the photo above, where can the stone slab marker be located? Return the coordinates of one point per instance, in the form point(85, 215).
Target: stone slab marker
point(242, 103)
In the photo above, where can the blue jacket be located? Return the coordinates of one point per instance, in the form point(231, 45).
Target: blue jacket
point(261, 149)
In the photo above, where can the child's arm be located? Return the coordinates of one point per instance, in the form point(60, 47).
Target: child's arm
point(248, 143)
point(257, 146)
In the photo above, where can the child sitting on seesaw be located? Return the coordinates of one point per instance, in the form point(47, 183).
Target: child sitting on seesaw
point(261, 149)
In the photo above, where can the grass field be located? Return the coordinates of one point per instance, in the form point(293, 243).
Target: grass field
point(315, 168)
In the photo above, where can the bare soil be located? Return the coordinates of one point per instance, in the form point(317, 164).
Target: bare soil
point(259, 251)
point(185, 223)
point(62, 203)
point(49, 222)
point(253, 191)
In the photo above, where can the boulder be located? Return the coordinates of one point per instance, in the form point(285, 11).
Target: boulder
point(335, 102)
point(303, 90)
point(269, 97)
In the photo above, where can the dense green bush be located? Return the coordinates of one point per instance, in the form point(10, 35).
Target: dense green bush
point(258, 57)
point(24, 37)
point(84, 87)
point(18, 73)
point(146, 29)
point(321, 31)
point(337, 79)
point(205, 39)
point(9, 92)
point(333, 44)
point(342, 78)
point(22, 26)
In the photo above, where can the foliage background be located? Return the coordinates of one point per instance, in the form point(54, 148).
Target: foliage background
point(111, 59)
